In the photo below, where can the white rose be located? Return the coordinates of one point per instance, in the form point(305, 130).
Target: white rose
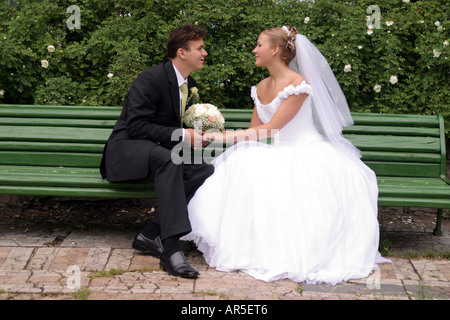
point(51, 48)
point(44, 64)
point(377, 88)
point(306, 20)
point(194, 90)
point(369, 32)
point(213, 112)
point(436, 53)
point(348, 68)
point(110, 75)
point(389, 23)
point(393, 80)
point(200, 110)
point(445, 43)
point(437, 23)
point(2, 93)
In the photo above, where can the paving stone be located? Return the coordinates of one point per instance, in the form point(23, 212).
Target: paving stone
point(66, 257)
point(144, 262)
point(4, 252)
point(96, 259)
point(17, 258)
point(42, 258)
point(120, 259)
point(428, 270)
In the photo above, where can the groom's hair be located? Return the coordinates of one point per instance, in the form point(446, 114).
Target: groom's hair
point(180, 37)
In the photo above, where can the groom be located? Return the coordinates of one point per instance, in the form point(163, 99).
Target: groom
point(139, 147)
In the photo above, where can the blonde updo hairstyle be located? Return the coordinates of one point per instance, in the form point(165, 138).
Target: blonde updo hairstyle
point(284, 37)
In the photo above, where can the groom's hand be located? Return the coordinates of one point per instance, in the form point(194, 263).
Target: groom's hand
point(195, 138)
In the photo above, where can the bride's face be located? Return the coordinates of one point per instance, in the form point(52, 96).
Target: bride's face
point(263, 51)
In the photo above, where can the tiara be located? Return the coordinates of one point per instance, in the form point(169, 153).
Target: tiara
point(286, 30)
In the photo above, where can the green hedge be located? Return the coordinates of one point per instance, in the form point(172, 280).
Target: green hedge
point(405, 58)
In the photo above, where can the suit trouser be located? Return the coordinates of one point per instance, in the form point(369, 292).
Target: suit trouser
point(175, 185)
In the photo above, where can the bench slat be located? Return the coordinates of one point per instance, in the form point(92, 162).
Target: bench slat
point(434, 193)
point(400, 157)
point(377, 119)
point(70, 180)
point(88, 123)
point(413, 202)
point(50, 159)
point(78, 192)
point(424, 190)
point(51, 146)
point(40, 170)
point(392, 130)
point(395, 143)
point(404, 169)
point(69, 112)
point(410, 181)
point(25, 133)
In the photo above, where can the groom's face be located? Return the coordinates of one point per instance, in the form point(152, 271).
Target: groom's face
point(195, 55)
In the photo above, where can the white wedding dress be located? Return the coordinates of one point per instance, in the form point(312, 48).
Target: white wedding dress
point(296, 209)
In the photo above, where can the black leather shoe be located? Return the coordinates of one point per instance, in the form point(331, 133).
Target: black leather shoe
point(177, 265)
point(147, 245)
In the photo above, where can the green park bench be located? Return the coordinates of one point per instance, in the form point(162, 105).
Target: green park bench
point(56, 151)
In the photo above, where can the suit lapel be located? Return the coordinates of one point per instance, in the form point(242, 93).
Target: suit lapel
point(173, 87)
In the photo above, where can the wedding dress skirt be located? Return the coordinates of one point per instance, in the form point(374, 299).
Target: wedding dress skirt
point(297, 209)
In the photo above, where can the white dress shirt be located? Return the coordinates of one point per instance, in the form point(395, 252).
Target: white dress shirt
point(181, 81)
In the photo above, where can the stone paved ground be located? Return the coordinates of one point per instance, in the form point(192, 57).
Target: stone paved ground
point(98, 263)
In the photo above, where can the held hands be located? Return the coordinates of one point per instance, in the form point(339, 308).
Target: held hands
point(199, 139)
point(214, 136)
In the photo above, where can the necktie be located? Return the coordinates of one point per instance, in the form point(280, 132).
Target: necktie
point(184, 95)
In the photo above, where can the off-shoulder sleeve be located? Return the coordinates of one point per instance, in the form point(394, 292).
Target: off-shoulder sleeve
point(304, 87)
point(253, 94)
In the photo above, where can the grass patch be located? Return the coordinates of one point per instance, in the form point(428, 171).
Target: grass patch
point(109, 273)
point(82, 294)
point(429, 254)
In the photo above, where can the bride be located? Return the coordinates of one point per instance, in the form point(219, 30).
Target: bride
point(305, 207)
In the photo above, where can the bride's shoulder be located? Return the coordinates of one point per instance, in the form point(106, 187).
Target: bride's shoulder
point(260, 87)
point(262, 84)
point(298, 79)
point(297, 86)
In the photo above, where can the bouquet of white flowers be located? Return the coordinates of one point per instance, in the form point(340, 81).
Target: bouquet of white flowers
point(203, 117)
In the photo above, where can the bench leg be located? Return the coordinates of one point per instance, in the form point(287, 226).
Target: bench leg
point(438, 229)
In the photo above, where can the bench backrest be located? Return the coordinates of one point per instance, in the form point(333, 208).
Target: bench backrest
point(63, 136)
point(68, 136)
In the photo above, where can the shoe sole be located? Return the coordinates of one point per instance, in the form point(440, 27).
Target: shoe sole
point(177, 275)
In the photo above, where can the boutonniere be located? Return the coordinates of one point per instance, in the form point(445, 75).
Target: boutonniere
point(194, 97)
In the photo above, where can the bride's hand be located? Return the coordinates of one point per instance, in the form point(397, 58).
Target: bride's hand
point(213, 136)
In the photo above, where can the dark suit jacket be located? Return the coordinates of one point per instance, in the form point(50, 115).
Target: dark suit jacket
point(150, 115)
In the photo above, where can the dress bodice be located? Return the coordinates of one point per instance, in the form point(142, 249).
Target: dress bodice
point(301, 128)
